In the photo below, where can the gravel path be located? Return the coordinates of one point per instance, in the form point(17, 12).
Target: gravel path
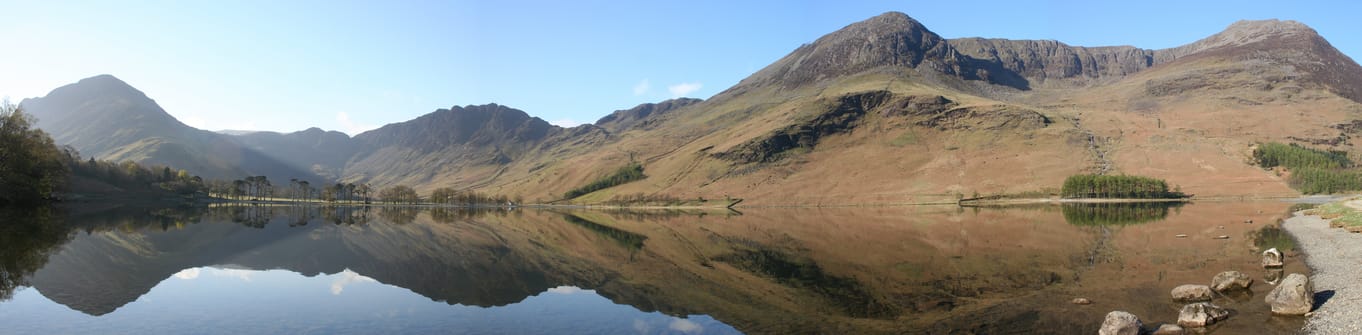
point(1335, 258)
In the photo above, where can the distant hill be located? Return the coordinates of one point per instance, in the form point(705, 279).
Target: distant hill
point(105, 118)
point(880, 111)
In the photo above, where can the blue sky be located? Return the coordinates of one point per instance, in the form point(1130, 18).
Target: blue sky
point(351, 66)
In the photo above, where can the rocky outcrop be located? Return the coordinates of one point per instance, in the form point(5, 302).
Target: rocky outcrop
point(1293, 296)
point(1191, 292)
point(1120, 323)
point(1201, 314)
point(1231, 281)
point(1050, 63)
point(1272, 258)
point(987, 118)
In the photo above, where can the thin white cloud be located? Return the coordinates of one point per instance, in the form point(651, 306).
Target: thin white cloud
point(350, 126)
point(187, 274)
point(566, 123)
point(642, 87)
point(685, 326)
point(244, 275)
point(345, 278)
point(682, 89)
point(565, 290)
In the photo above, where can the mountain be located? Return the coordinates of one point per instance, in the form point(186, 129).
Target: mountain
point(320, 152)
point(105, 118)
point(886, 111)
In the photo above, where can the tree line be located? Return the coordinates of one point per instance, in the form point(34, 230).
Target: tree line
point(450, 196)
point(625, 174)
point(1118, 186)
point(1293, 156)
point(31, 166)
point(1313, 171)
point(33, 169)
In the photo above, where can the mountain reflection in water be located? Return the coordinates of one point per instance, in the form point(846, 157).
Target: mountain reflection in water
point(879, 270)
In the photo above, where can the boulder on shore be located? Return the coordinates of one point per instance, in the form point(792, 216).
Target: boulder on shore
point(1120, 323)
point(1201, 314)
point(1231, 281)
point(1293, 296)
point(1272, 258)
point(1191, 292)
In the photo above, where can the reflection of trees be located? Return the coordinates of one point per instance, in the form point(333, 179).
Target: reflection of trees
point(630, 240)
point(253, 216)
point(1104, 214)
point(1272, 236)
point(457, 214)
point(27, 237)
point(300, 215)
point(847, 294)
point(348, 215)
point(399, 215)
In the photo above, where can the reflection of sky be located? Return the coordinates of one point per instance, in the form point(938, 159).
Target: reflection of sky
point(232, 301)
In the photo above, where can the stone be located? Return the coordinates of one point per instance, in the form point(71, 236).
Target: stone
point(1222, 237)
point(1272, 258)
point(1191, 292)
point(1231, 281)
point(1169, 329)
point(1293, 296)
point(1120, 323)
point(1081, 301)
point(1180, 236)
point(1201, 314)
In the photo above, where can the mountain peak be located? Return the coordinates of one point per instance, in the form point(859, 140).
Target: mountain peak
point(1269, 26)
point(889, 39)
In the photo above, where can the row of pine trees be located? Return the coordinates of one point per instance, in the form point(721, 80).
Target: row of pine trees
point(1118, 186)
point(1313, 171)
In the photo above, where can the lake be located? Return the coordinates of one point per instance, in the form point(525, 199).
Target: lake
point(330, 270)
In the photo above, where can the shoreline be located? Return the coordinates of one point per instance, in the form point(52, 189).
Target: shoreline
point(1335, 260)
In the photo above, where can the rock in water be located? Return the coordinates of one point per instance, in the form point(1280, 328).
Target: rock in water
point(1272, 258)
point(1081, 301)
point(1231, 281)
point(1120, 323)
point(1169, 329)
point(1293, 296)
point(1201, 314)
point(1191, 292)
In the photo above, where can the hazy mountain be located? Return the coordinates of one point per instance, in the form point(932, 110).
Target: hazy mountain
point(105, 118)
point(881, 111)
point(321, 152)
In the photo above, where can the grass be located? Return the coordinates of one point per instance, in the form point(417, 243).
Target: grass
point(1340, 215)
point(907, 138)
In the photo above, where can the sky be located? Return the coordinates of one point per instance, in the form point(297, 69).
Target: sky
point(353, 66)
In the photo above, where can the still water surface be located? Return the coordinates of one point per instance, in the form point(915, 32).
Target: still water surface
point(328, 270)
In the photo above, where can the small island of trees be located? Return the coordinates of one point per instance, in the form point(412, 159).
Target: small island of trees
point(1092, 186)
